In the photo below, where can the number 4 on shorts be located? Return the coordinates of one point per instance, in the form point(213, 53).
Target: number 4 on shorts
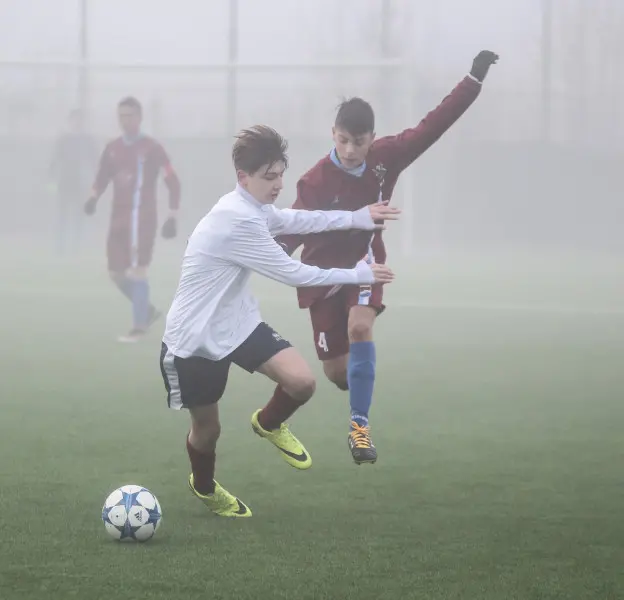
point(322, 342)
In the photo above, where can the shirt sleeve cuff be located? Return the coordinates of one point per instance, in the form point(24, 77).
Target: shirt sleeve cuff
point(364, 273)
point(362, 219)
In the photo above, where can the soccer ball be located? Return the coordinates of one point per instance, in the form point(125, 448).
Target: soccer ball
point(131, 513)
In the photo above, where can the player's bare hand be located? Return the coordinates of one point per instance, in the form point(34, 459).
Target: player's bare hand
point(382, 273)
point(380, 211)
point(90, 206)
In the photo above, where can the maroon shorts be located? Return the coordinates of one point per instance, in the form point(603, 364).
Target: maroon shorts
point(123, 252)
point(330, 319)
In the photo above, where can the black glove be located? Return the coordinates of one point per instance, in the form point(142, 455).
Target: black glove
point(90, 205)
point(169, 228)
point(481, 64)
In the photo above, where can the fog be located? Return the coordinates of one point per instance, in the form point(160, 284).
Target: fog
point(497, 408)
point(534, 166)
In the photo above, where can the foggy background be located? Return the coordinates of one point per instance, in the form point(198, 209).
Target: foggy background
point(533, 166)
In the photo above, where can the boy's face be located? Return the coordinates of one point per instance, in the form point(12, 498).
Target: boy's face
point(352, 149)
point(129, 119)
point(266, 183)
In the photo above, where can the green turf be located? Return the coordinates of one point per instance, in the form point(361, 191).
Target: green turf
point(498, 418)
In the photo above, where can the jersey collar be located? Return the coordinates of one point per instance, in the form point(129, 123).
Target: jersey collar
point(356, 172)
point(241, 191)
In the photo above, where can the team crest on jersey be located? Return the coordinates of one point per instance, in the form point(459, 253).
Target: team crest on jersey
point(380, 173)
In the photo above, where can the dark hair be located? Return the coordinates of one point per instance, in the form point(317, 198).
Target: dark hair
point(355, 116)
point(257, 146)
point(131, 102)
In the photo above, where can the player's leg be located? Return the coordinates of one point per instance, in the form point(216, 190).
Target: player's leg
point(143, 312)
point(361, 379)
point(118, 257)
point(197, 384)
point(343, 339)
point(201, 446)
point(361, 370)
point(128, 269)
point(122, 282)
point(266, 352)
point(139, 297)
point(295, 386)
point(344, 342)
point(146, 313)
point(329, 318)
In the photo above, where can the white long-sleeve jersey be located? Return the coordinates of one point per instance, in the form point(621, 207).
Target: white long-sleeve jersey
point(213, 311)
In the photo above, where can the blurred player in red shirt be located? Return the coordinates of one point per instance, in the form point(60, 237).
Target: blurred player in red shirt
point(358, 171)
point(132, 162)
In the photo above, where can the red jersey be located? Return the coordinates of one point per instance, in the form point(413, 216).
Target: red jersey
point(328, 187)
point(133, 168)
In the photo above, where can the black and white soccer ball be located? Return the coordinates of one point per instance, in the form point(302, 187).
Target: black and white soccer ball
point(131, 513)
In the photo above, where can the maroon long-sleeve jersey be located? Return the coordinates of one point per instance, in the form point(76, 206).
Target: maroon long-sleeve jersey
point(133, 168)
point(328, 187)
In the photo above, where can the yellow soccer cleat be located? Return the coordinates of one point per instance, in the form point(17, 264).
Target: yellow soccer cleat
point(291, 449)
point(221, 502)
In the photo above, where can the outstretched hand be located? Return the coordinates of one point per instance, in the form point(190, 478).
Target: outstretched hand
point(380, 211)
point(382, 273)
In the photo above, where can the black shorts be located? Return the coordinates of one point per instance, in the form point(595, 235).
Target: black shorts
point(197, 381)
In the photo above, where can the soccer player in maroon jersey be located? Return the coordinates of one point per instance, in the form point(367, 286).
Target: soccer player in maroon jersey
point(358, 171)
point(133, 162)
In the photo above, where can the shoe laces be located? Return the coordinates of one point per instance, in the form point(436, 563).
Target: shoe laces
point(360, 434)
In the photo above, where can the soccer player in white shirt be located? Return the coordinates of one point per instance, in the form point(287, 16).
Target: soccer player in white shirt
point(214, 319)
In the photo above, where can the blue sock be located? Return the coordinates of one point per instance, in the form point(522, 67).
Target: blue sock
point(126, 287)
point(361, 378)
point(140, 303)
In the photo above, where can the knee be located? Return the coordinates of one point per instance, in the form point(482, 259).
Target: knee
point(360, 331)
point(302, 388)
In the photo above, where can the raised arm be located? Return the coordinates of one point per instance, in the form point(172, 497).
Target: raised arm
point(399, 151)
point(252, 246)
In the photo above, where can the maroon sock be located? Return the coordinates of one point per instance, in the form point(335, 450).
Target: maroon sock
point(203, 466)
point(279, 408)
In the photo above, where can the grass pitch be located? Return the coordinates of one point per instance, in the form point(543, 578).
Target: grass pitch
point(498, 418)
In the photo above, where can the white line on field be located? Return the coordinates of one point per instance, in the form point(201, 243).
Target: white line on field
point(82, 293)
